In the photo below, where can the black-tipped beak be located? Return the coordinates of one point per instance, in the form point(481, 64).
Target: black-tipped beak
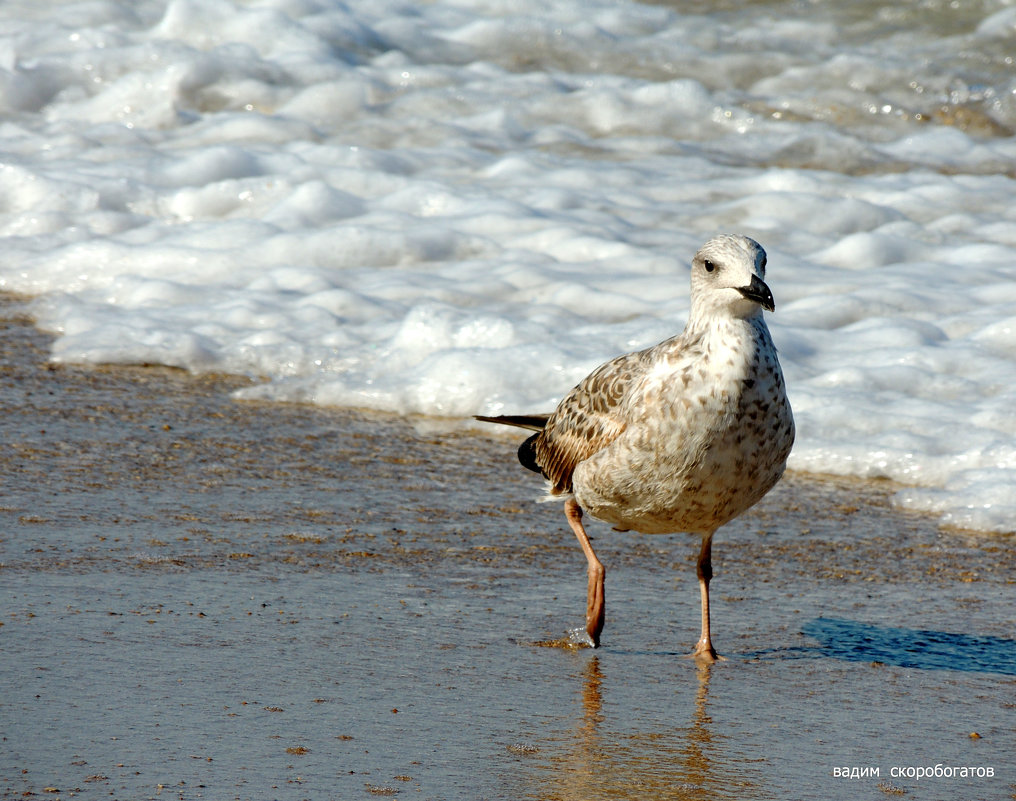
point(758, 292)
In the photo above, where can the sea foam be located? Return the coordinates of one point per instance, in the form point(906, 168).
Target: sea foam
point(461, 207)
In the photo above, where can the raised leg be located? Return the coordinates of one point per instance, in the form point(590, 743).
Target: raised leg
point(704, 650)
point(594, 592)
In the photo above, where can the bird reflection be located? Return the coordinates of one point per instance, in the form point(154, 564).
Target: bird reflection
point(600, 760)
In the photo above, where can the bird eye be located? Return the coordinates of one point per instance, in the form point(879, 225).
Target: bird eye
point(709, 266)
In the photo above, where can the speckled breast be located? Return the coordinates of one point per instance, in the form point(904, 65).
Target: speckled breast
point(700, 453)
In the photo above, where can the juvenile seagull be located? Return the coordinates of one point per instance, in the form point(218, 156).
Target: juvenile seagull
point(682, 436)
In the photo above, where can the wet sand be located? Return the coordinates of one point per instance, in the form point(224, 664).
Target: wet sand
point(210, 599)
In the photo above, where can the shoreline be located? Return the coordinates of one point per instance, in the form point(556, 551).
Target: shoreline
point(25, 348)
point(158, 422)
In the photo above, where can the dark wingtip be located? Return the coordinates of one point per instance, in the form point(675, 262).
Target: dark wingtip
point(534, 422)
point(527, 455)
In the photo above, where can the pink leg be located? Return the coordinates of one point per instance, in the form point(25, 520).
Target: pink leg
point(595, 612)
point(704, 648)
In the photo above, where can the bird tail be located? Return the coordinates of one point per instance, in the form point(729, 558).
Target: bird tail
point(527, 450)
point(534, 422)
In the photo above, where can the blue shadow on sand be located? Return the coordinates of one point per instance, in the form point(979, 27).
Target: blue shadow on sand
point(911, 648)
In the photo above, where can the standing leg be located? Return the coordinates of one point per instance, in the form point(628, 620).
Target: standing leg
point(594, 591)
point(704, 649)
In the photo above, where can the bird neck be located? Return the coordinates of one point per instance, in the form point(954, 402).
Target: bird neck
point(712, 323)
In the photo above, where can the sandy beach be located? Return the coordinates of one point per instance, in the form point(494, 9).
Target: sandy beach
point(205, 598)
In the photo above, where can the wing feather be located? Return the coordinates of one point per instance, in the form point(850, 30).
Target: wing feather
point(587, 420)
point(534, 422)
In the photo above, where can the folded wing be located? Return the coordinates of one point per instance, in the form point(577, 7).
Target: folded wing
point(587, 420)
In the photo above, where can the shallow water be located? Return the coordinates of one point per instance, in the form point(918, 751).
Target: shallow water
point(210, 599)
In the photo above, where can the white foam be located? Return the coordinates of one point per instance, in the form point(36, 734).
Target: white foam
point(462, 207)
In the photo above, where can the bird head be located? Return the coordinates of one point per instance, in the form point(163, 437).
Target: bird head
point(728, 276)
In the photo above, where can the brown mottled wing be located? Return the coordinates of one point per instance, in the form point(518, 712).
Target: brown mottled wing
point(587, 420)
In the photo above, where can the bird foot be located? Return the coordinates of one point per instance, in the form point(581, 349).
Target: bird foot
point(704, 653)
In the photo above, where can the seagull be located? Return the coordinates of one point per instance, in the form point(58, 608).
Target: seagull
point(680, 437)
